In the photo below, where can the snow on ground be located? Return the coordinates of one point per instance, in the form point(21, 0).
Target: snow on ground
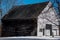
point(31, 37)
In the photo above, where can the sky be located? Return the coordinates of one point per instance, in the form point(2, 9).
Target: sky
point(6, 5)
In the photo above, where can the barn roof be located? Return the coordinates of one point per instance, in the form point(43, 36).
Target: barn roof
point(26, 11)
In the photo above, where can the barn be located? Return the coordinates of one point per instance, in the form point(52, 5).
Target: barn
point(48, 23)
point(30, 20)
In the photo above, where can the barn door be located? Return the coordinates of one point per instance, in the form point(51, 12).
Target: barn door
point(49, 27)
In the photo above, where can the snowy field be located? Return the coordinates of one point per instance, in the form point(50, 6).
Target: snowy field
point(30, 38)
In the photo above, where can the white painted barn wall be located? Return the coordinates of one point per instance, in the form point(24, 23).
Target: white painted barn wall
point(47, 13)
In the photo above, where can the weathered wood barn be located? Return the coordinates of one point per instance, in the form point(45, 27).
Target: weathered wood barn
point(30, 20)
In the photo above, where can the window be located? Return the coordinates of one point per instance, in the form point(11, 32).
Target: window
point(41, 30)
point(48, 26)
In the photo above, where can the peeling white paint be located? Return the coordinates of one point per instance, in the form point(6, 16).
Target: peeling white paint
point(47, 16)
